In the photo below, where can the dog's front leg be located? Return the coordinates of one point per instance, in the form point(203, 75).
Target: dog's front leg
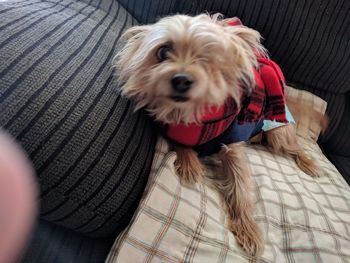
point(235, 185)
point(284, 140)
point(188, 165)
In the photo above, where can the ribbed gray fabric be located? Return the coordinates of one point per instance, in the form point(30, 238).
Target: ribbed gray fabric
point(59, 99)
point(148, 11)
point(339, 141)
point(343, 165)
point(52, 243)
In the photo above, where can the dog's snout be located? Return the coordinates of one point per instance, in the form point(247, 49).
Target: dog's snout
point(181, 82)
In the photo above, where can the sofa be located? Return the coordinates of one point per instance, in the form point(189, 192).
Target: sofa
point(92, 153)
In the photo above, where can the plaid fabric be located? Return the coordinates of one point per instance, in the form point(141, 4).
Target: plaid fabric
point(307, 127)
point(215, 121)
point(303, 219)
point(274, 82)
point(267, 101)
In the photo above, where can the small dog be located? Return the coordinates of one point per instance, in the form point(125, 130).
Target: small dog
point(185, 71)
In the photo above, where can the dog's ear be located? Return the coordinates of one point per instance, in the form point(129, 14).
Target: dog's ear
point(251, 37)
point(128, 57)
point(135, 31)
point(245, 45)
point(235, 28)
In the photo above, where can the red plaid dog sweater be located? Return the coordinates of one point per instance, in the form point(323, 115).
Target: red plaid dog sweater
point(267, 101)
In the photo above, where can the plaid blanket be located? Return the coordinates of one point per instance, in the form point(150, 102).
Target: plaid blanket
point(303, 219)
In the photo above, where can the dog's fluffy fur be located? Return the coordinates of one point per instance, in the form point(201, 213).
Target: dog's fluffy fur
point(220, 59)
point(217, 57)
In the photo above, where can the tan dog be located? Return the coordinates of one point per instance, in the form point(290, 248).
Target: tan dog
point(215, 61)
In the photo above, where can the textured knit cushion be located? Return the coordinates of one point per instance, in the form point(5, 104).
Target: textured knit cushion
point(307, 126)
point(303, 219)
point(52, 243)
point(343, 165)
point(59, 99)
point(339, 141)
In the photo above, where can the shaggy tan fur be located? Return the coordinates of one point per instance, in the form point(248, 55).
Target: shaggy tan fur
point(284, 140)
point(188, 165)
point(235, 186)
point(220, 59)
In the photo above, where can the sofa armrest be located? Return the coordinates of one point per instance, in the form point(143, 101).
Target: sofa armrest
point(59, 99)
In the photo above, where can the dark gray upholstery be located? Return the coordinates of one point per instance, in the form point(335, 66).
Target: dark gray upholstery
point(339, 141)
point(52, 243)
point(59, 99)
point(343, 165)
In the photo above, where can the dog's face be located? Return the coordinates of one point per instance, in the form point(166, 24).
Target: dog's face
point(181, 65)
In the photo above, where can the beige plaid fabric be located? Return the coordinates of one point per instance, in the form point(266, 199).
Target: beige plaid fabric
point(303, 219)
point(307, 127)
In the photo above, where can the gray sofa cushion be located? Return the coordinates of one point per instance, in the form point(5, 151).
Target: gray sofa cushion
point(148, 11)
point(343, 165)
point(59, 99)
point(52, 243)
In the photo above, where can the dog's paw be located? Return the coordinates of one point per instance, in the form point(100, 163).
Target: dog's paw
point(188, 166)
point(308, 165)
point(189, 173)
point(248, 236)
point(312, 171)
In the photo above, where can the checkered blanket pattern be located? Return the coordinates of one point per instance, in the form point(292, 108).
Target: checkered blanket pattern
point(303, 219)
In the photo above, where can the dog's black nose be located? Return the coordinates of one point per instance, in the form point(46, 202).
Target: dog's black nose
point(181, 82)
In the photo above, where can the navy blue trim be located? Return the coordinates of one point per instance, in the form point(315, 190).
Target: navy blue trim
point(235, 133)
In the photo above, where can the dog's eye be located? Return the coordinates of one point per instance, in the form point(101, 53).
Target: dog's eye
point(163, 53)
